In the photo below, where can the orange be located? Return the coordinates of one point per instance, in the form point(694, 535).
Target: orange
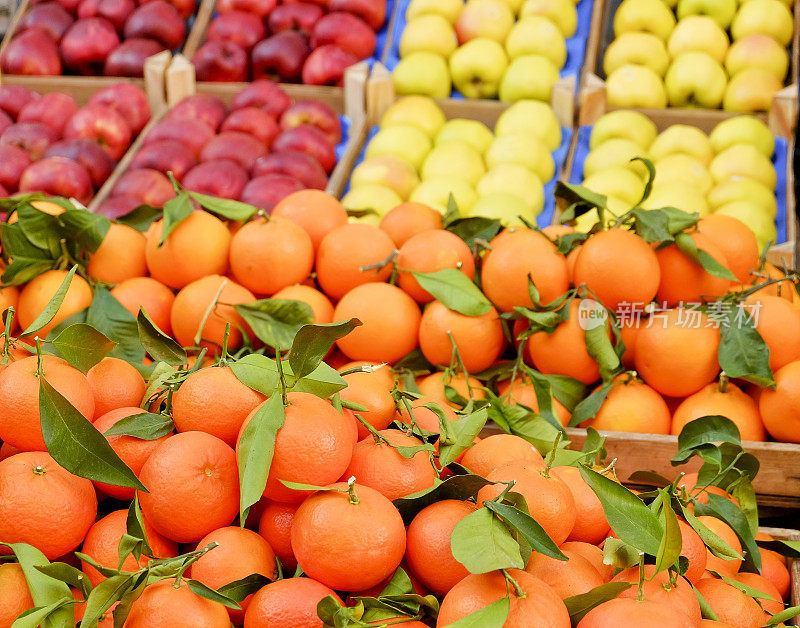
point(497, 449)
point(618, 266)
point(515, 254)
point(315, 211)
point(700, 494)
point(479, 339)
point(370, 391)
point(409, 219)
point(684, 281)
point(736, 241)
point(267, 255)
point(44, 505)
point(429, 252)
point(522, 392)
point(383, 371)
point(572, 259)
point(631, 612)
point(102, 544)
point(348, 541)
point(593, 554)
point(778, 323)
point(730, 604)
point(6, 451)
point(9, 297)
point(390, 323)
point(629, 330)
point(662, 360)
point(426, 419)
point(540, 607)
point(15, 598)
point(115, 384)
point(161, 604)
point(320, 305)
point(434, 386)
point(147, 293)
point(591, 526)
point(779, 408)
point(275, 526)
point(38, 292)
point(20, 423)
point(694, 549)
point(574, 576)
point(381, 467)
point(632, 407)
point(120, 255)
point(198, 472)
point(657, 588)
point(345, 251)
point(290, 602)
point(196, 299)
point(724, 531)
point(773, 568)
point(785, 289)
point(213, 400)
point(556, 231)
point(760, 583)
point(732, 404)
point(710, 623)
point(428, 552)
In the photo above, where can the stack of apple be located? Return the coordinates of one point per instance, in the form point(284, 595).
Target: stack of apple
point(655, 60)
point(313, 41)
point(95, 37)
point(419, 155)
point(264, 149)
point(727, 172)
point(48, 144)
point(513, 49)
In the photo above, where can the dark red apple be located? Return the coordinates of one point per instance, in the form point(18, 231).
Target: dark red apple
point(54, 110)
point(58, 176)
point(308, 139)
point(102, 124)
point(220, 62)
point(299, 16)
point(373, 12)
point(157, 20)
point(128, 58)
point(13, 99)
point(4, 193)
point(261, 8)
point(203, 107)
point(51, 17)
point(326, 66)
point(224, 179)
point(70, 5)
point(146, 186)
point(32, 137)
point(193, 134)
point(267, 191)
point(13, 161)
point(240, 28)
point(264, 95)
point(185, 8)
point(127, 100)
point(89, 154)
point(6, 121)
point(87, 43)
point(301, 166)
point(115, 11)
point(33, 53)
point(117, 206)
point(350, 33)
point(315, 113)
point(242, 148)
point(253, 121)
point(165, 156)
point(280, 57)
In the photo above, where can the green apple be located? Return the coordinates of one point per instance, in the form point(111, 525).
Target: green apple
point(428, 33)
point(536, 35)
point(491, 19)
point(647, 16)
point(419, 111)
point(757, 51)
point(530, 77)
point(404, 141)
point(743, 160)
point(699, 33)
point(450, 159)
point(505, 207)
point(619, 182)
point(514, 179)
point(449, 9)
point(683, 169)
point(759, 221)
point(751, 90)
point(635, 86)
point(436, 192)
point(721, 11)
point(638, 49)
point(629, 125)
point(770, 17)
point(695, 79)
point(742, 130)
point(743, 189)
point(684, 139)
point(525, 149)
point(613, 153)
point(514, 5)
point(424, 73)
point(472, 132)
point(372, 196)
point(477, 68)
point(388, 171)
point(530, 116)
point(562, 13)
point(677, 194)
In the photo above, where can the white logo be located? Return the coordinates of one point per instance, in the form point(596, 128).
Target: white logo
point(591, 314)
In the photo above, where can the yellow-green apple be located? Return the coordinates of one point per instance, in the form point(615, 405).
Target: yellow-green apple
point(585, 222)
point(742, 130)
point(751, 90)
point(770, 17)
point(759, 221)
point(677, 194)
point(561, 12)
point(404, 141)
point(743, 189)
point(638, 49)
point(491, 19)
point(757, 50)
point(419, 111)
point(530, 77)
point(699, 33)
point(537, 35)
point(630, 125)
point(530, 116)
point(619, 182)
point(450, 9)
point(636, 86)
point(428, 33)
point(371, 196)
point(477, 68)
point(436, 192)
point(683, 168)
point(612, 153)
point(648, 16)
point(743, 160)
point(517, 180)
point(472, 132)
point(454, 159)
point(522, 148)
point(721, 11)
point(505, 207)
point(684, 139)
point(514, 5)
point(695, 79)
point(388, 171)
point(423, 73)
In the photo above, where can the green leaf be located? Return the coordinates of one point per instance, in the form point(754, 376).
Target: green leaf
point(145, 425)
point(83, 346)
point(238, 590)
point(474, 229)
point(312, 343)
point(651, 175)
point(50, 310)
point(159, 345)
point(141, 217)
point(483, 543)
point(730, 513)
point(528, 527)
point(276, 321)
point(790, 549)
point(742, 351)
point(43, 230)
point(198, 588)
point(705, 608)
point(579, 198)
point(651, 225)
point(672, 541)
point(225, 207)
point(323, 382)
point(589, 407)
point(103, 597)
point(68, 574)
point(579, 605)
point(747, 590)
point(702, 431)
point(108, 316)
point(702, 258)
point(461, 487)
point(598, 342)
point(784, 615)
point(176, 210)
point(299, 486)
point(451, 214)
point(77, 445)
point(715, 543)
point(134, 525)
point(455, 291)
point(492, 616)
point(460, 435)
point(257, 372)
point(34, 617)
point(84, 228)
point(619, 554)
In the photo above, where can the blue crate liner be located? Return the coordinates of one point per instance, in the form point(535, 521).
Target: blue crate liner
point(345, 122)
point(779, 158)
point(576, 45)
point(545, 218)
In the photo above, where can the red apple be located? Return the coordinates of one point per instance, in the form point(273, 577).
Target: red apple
point(350, 33)
point(301, 166)
point(51, 17)
point(185, 8)
point(13, 161)
point(220, 62)
point(32, 137)
point(264, 95)
point(146, 186)
point(4, 194)
point(299, 16)
point(165, 156)
point(253, 121)
point(308, 139)
point(115, 11)
point(157, 20)
point(128, 58)
point(267, 191)
point(89, 154)
point(261, 8)
point(54, 110)
point(70, 5)
point(13, 99)
point(203, 107)
point(116, 206)
point(326, 66)
point(193, 134)
point(315, 113)
point(33, 53)
point(223, 178)
point(127, 100)
point(102, 124)
point(87, 43)
point(240, 28)
point(239, 147)
point(373, 12)
point(6, 121)
point(58, 176)
point(281, 57)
